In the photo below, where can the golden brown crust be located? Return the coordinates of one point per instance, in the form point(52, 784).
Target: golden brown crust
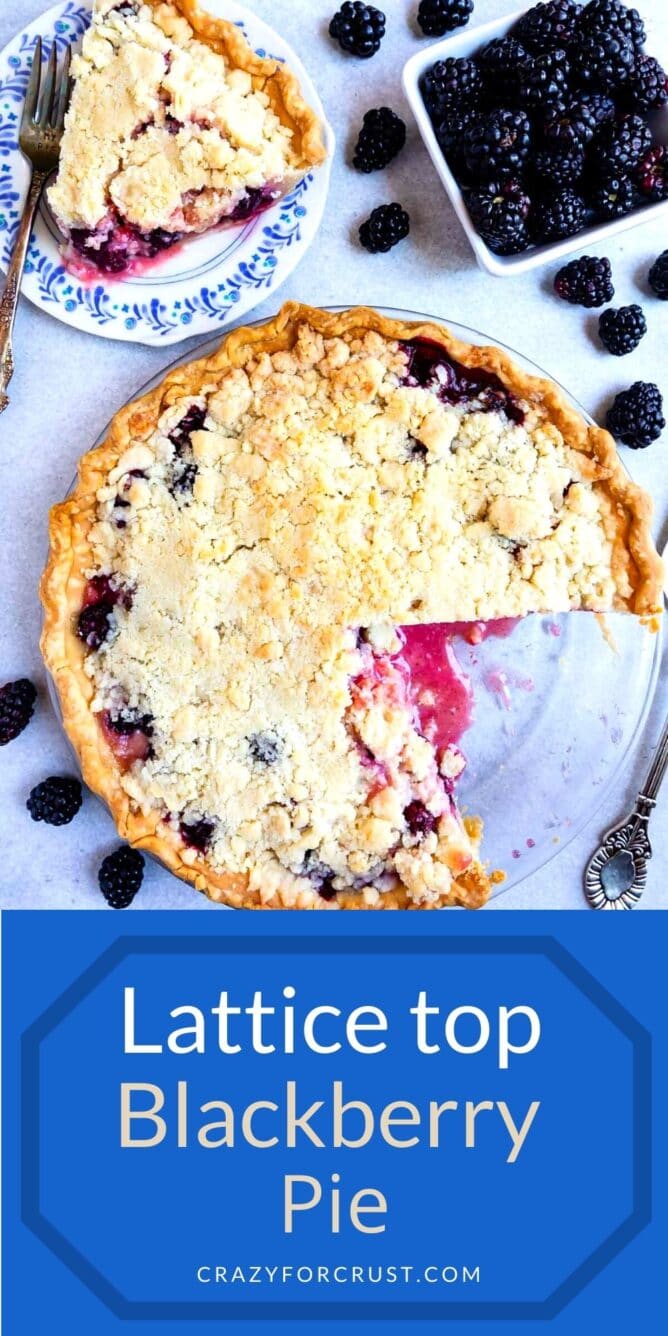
point(638, 575)
point(278, 82)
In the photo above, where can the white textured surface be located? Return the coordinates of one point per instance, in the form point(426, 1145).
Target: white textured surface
point(67, 385)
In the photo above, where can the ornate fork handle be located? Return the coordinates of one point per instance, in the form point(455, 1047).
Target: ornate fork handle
point(616, 874)
point(10, 297)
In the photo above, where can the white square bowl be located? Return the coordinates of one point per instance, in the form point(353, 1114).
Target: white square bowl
point(466, 43)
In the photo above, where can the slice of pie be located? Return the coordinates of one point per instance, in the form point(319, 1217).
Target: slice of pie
point(240, 588)
point(175, 126)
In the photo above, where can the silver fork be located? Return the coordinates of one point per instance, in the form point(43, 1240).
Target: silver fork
point(40, 134)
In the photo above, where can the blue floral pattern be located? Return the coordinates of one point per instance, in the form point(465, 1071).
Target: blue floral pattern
point(114, 310)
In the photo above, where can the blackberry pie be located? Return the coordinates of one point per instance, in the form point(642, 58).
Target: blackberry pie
point(248, 593)
point(175, 126)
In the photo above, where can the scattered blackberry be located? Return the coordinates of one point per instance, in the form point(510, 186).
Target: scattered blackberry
point(586, 281)
point(451, 85)
point(547, 26)
point(120, 876)
point(620, 331)
point(387, 225)
point(500, 61)
point(497, 144)
point(382, 136)
point(603, 60)
point(558, 215)
point(602, 15)
point(499, 212)
point(652, 173)
point(436, 17)
point(646, 86)
point(359, 29)
point(17, 702)
point(658, 276)
point(613, 197)
point(55, 801)
point(557, 169)
point(543, 80)
point(570, 128)
point(620, 145)
point(636, 416)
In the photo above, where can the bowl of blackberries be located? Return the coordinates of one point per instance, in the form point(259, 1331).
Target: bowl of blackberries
point(549, 128)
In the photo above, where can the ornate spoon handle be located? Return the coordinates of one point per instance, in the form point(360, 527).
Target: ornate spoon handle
point(616, 874)
point(10, 297)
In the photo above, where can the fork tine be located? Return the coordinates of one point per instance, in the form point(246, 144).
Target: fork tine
point(32, 91)
point(62, 96)
point(46, 97)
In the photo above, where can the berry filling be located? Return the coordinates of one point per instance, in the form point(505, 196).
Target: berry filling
point(96, 619)
point(128, 735)
point(185, 468)
point(117, 246)
point(254, 202)
point(430, 368)
point(197, 834)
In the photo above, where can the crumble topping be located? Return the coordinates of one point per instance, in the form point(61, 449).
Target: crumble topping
point(253, 557)
point(162, 133)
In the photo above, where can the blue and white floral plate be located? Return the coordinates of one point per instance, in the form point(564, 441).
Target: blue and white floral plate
point(202, 286)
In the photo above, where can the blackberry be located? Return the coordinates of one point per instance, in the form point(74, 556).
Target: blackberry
point(603, 60)
point(647, 85)
point(598, 106)
point(570, 128)
point(620, 331)
point(555, 169)
point(17, 702)
point(636, 416)
point(500, 61)
point(543, 80)
point(497, 144)
point(586, 281)
point(558, 215)
point(55, 801)
point(120, 876)
point(620, 145)
point(387, 225)
point(436, 17)
point(382, 136)
point(359, 29)
point(548, 26)
point(658, 276)
point(499, 212)
point(613, 197)
point(419, 819)
point(602, 15)
point(450, 135)
point(451, 85)
point(652, 173)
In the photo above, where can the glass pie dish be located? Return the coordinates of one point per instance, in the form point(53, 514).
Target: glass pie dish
point(558, 705)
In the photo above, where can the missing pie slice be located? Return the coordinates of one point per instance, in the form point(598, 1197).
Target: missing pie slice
point(242, 593)
point(175, 127)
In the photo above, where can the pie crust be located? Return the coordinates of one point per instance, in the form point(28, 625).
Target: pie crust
point(605, 508)
point(159, 143)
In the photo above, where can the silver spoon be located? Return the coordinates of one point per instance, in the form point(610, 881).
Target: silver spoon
point(616, 874)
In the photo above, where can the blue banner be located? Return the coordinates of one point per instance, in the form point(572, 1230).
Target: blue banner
point(333, 1119)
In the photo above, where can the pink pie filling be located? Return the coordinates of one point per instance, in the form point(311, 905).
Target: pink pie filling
point(128, 746)
point(439, 686)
